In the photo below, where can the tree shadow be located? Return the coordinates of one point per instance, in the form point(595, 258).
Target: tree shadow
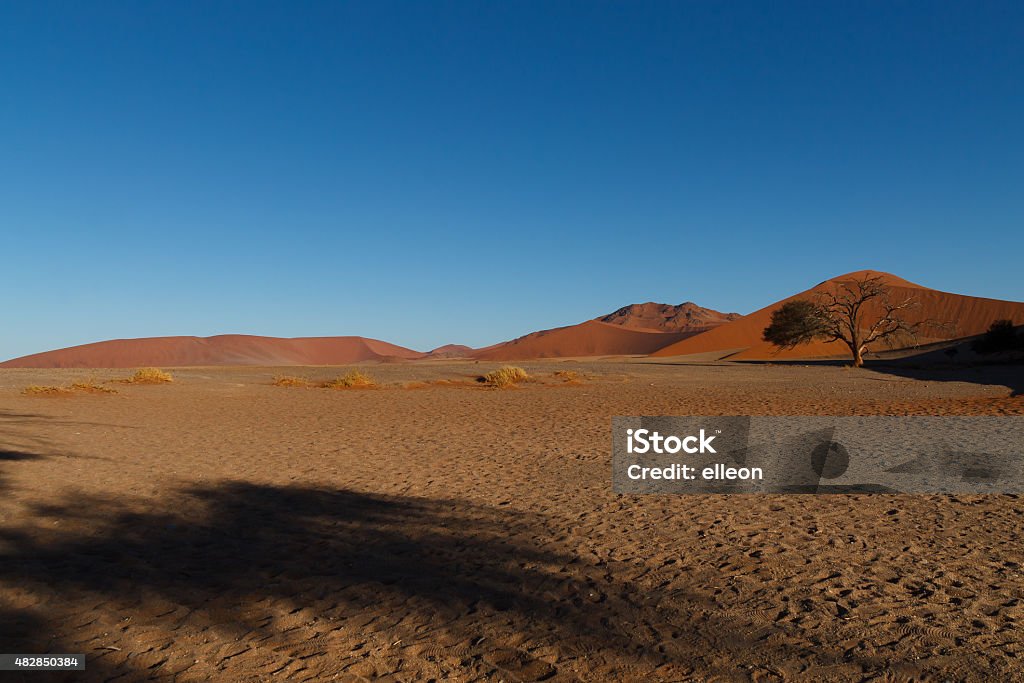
point(20, 442)
point(16, 418)
point(17, 446)
point(7, 456)
point(928, 367)
point(15, 456)
point(242, 580)
point(1010, 375)
point(24, 631)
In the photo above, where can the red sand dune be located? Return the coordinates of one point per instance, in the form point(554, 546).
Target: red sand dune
point(686, 317)
point(637, 329)
point(450, 351)
point(228, 349)
point(592, 338)
point(741, 339)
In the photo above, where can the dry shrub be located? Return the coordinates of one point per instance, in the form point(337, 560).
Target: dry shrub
point(36, 390)
point(351, 380)
point(150, 376)
point(289, 381)
point(506, 376)
point(91, 387)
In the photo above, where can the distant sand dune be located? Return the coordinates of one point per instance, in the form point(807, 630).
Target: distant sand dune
point(592, 338)
point(685, 317)
point(450, 351)
point(228, 349)
point(637, 329)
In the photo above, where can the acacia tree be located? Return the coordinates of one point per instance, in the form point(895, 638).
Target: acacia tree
point(857, 313)
point(1000, 338)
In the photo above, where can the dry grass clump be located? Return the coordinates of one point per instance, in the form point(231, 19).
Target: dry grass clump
point(37, 390)
point(351, 380)
point(505, 377)
point(150, 376)
point(91, 387)
point(289, 381)
point(86, 387)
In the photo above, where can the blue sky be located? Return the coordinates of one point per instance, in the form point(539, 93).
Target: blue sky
point(435, 172)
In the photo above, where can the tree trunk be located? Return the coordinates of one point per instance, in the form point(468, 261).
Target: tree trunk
point(856, 349)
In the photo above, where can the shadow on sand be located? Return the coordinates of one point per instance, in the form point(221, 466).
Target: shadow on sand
point(245, 581)
point(1008, 374)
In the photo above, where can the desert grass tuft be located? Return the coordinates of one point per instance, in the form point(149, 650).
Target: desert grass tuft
point(91, 387)
point(88, 386)
point(37, 390)
point(150, 376)
point(289, 381)
point(351, 380)
point(505, 377)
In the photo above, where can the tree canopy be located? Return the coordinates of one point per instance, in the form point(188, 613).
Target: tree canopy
point(1000, 337)
point(796, 322)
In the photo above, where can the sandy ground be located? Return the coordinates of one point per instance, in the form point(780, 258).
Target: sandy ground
point(221, 528)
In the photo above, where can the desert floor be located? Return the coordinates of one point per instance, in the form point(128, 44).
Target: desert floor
point(222, 528)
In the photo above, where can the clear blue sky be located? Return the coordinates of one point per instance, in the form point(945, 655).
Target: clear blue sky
point(433, 172)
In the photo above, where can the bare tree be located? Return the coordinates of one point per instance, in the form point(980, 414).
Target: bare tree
point(857, 313)
point(1001, 337)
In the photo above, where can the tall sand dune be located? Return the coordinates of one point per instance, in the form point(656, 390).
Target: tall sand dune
point(227, 349)
point(741, 339)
